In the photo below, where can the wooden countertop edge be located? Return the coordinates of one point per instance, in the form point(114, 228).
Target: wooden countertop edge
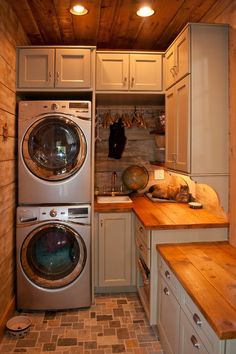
point(224, 305)
point(147, 212)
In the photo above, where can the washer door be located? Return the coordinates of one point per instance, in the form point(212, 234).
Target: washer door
point(54, 148)
point(53, 255)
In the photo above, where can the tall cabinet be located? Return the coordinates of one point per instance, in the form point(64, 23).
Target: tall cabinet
point(196, 87)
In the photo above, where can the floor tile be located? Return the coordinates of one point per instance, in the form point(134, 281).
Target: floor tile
point(115, 323)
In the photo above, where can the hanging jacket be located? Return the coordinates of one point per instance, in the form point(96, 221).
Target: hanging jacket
point(117, 140)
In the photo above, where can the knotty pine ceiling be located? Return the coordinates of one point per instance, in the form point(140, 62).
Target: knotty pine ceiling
point(113, 24)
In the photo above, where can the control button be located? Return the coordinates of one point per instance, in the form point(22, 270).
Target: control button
point(53, 213)
point(55, 106)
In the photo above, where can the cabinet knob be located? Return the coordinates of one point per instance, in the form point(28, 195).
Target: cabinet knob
point(49, 76)
point(167, 274)
point(132, 81)
point(197, 320)
point(166, 291)
point(101, 223)
point(125, 81)
point(140, 228)
point(195, 342)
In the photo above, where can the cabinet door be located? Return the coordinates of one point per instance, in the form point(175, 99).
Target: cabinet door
point(190, 342)
point(182, 161)
point(170, 128)
point(177, 60)
point(182, 48)
point(36, 68)
point(115, 249)
point(112, 71)
point(145, 72)
point(178, 127)
point(73, 68)
point(169, 318)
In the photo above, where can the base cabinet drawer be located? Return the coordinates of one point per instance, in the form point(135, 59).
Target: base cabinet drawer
point(190, 342)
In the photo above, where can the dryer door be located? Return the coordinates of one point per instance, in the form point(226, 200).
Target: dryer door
point(53, 255)
point(54, 148)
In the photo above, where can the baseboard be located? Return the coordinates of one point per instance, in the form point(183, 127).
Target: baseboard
point(7, 314)
point(115, 289)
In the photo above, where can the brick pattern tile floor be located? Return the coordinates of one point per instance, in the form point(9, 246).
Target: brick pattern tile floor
point(113, 324)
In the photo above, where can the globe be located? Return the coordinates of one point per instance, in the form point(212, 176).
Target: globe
point(135, 177)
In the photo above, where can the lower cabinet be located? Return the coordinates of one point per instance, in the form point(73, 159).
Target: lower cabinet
point(114, 250)
point(182, 327)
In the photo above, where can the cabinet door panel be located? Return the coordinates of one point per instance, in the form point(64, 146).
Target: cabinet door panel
point(182, 48)
point(73, 68)
point(112, 71)
point(36, 68)
point(146, 72)
point(169, 319)
point(115, 249)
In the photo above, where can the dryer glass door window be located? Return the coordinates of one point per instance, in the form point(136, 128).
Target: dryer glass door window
point(53, 256)
point(54, 148)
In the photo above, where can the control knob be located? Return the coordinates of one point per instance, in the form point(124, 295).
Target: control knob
point(53, 213)
point(55, 106)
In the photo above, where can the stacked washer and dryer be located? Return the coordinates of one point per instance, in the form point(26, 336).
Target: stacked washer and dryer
point(53, 235)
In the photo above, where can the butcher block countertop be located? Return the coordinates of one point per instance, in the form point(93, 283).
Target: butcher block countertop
point(207, 271)
point(164, 215)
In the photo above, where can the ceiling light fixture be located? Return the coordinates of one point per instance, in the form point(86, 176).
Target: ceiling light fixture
point(145, 11)
point(78, 10)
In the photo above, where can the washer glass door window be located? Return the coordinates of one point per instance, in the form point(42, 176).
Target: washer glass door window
point(53, 256)
point(54, 148)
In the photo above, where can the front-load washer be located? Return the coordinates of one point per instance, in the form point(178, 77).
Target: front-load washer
point(54, 152)
point(53, 259)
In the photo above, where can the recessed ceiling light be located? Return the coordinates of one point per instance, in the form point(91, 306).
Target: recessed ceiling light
point(78, 10)
point(145, 11)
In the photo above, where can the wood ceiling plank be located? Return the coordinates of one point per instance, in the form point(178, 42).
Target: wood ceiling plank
point(45, 14)
point(29, 23)
point(155, 25)
point(217, 8)
point(190, 11)
point(86, 27)
point(64, 18)
point(126, 25)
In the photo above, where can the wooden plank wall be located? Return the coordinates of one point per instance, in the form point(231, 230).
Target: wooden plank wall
point(229, 16)
point(11, 34)
point(140, 146)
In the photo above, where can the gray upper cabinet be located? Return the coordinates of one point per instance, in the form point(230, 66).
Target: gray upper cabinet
point(48, 68)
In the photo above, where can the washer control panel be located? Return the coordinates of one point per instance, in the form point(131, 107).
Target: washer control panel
point(75, 213)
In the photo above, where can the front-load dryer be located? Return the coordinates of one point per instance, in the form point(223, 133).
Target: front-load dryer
point(54, 152)
point(53, 257)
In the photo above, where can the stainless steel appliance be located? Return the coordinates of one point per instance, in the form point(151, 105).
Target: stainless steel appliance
point(53, 257)
point(54, 152)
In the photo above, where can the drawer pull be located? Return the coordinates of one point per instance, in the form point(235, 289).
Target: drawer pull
point(166, 291)
point(197, 320)
point(167, 274)
point(195, 342)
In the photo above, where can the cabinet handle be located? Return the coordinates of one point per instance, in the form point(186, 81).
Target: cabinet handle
point(175, 69)
point(197, 320)
point(58, 75)
point(49, 76)
point(125, 81)
point(174, 157)
point(172, 72)
point(195, 342)
point(140, 228)
point(101, 223)
point(167, 274)
point(132, 82)
point(166, 291)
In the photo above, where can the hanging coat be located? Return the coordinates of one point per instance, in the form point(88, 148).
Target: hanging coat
point(117, 139)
